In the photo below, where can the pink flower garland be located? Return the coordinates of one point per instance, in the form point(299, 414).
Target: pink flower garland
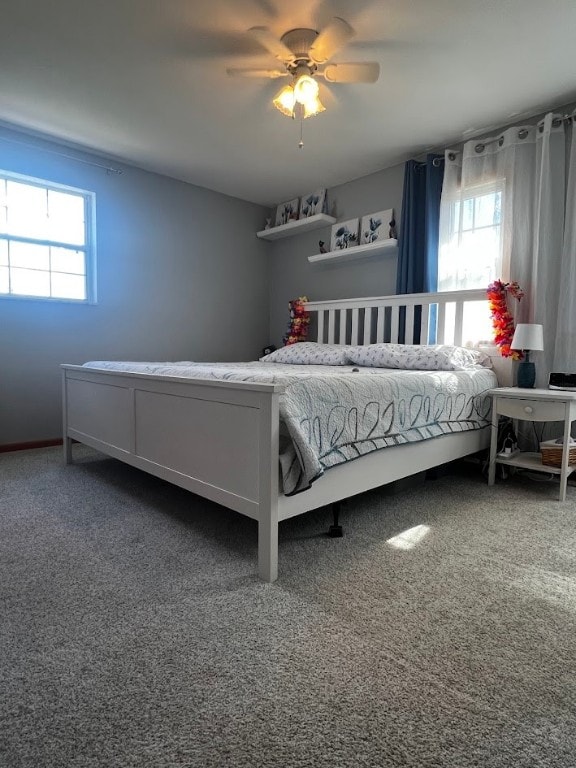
point(502, 320)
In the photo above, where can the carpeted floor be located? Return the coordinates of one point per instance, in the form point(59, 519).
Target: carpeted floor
point(134, 632)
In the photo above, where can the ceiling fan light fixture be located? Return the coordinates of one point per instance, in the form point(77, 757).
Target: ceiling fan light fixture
point(285, 101)
point(305, 89)
point(300, 99)
point(305, 55)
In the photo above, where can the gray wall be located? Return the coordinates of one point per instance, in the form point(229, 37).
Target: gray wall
point(181, 276)
point(292, 274)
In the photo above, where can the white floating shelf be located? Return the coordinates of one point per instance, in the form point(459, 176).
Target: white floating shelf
point(296, 227)
point(356, 251)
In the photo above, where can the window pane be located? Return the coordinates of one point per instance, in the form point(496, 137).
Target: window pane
point(476, 323)
point(30, 282)
point(67, 260)
point(66, 214)
point(455, 217)
point(468, 213)
point(3, 252)
point(487, 210)
point(4, 280)
point(68, 286)
point(3, 202)
point(29, 255)
point(479, 257)
point(27, 210)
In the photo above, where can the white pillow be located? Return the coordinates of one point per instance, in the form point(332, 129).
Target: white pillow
point(309, 353)
point(418, 357)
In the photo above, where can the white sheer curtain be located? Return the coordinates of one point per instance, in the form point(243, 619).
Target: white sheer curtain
point(504, 216)
point(565, 350)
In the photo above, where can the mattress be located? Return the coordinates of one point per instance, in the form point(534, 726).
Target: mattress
point(334, 414)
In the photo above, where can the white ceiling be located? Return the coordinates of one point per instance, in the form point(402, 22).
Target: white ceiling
point(145, 81)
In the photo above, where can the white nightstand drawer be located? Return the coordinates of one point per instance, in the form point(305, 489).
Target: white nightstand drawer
point(531, 410)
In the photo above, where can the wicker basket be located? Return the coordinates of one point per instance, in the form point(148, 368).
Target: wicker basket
point(551, 453)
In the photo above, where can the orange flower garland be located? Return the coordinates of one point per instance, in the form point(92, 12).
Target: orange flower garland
point(299, 320)
point(502, 320)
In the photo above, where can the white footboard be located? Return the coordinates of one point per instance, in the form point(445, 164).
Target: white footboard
point(217, 439)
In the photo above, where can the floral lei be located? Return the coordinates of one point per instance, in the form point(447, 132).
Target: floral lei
point(299, 320)
point(502, 320)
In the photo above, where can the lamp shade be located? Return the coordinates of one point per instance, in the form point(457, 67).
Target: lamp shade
point(528, 336)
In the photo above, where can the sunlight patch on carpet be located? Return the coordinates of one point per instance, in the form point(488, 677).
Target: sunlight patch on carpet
point(409, 538)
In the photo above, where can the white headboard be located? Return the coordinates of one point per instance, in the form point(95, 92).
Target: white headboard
point(409, 318)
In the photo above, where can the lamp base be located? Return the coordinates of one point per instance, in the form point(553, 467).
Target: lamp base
point(526, 374)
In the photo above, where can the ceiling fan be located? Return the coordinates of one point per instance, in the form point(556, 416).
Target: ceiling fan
point(305, 55)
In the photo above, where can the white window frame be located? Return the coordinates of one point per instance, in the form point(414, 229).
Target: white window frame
point(89, 247)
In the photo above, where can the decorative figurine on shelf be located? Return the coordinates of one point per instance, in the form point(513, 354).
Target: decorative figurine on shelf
point(322, 246)
point(268, 223)
point(299, 321)
point(393, 232)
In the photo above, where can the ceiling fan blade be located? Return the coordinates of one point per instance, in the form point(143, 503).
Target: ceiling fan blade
point(330, 40)
point(272, 44)
point(246, 72)
point(353, 72)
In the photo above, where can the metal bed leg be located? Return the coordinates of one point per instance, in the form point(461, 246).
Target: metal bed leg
point(335, 530)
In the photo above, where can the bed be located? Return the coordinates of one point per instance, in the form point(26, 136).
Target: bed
point(220, 434)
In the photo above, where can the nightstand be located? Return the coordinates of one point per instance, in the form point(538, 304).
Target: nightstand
point(533, 405)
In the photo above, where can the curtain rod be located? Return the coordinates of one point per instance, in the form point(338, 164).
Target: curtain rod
point(108, 168)
point(522, 133)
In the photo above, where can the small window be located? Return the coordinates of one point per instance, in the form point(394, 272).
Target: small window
point(470, 254)
point(470, 251)
point(46, 240)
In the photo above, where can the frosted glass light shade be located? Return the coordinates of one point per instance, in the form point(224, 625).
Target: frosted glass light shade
point(285, 101)
point(313, 107)
point(528, 336)
point(305, 89)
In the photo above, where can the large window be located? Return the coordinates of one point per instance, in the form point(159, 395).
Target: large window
point(46, 240)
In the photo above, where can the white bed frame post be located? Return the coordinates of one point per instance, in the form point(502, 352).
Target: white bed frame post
point(269, 489)
point(67, 441)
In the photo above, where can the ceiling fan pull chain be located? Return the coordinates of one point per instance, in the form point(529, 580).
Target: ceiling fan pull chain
point(301, 142)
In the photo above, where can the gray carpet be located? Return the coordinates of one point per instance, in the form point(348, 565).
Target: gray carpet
point(135, 633)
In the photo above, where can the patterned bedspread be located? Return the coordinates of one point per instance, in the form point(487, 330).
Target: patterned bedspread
point(333, 414)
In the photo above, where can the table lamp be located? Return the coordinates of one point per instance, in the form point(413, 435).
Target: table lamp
point(527, 336)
